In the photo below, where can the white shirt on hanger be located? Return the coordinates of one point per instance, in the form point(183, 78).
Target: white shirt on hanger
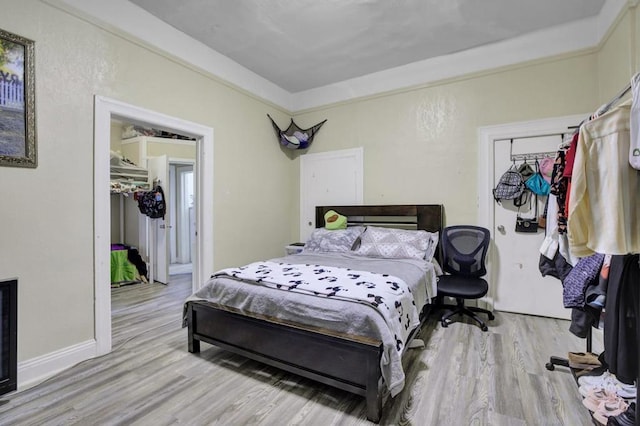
point(604, 199)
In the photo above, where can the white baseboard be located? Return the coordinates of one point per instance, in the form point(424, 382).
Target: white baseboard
point(39, 369)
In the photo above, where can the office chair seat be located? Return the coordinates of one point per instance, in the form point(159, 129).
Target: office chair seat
point(464, 250)
point(464, 287)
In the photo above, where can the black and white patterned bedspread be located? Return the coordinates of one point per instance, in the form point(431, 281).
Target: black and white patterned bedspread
point(389, 295)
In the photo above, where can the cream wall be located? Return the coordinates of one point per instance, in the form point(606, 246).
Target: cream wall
point(47, 219)
point(172, 150)
point(116, 139)
point(156, 146)
point(420, 145)
point(616, 57)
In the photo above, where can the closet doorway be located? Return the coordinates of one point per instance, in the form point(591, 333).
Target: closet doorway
point(105, 111)
point(516, 284)
point(167, 158)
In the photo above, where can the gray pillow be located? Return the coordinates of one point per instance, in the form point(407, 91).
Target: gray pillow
point(393, 243)
point(338, 240)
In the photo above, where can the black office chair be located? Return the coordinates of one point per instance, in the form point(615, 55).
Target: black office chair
point(464, 250)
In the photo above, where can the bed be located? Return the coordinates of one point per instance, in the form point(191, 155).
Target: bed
point(287, 331)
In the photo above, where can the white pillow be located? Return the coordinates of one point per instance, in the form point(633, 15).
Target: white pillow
point(338, 240)
point(393, 243)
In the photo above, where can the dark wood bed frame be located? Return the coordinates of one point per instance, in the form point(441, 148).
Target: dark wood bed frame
point(296, 348)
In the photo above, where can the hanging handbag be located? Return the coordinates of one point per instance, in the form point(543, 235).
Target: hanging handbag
point(510, 186)
point(536, 182)
point(528, 225)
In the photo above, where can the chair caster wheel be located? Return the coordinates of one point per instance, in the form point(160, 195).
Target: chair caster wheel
point(445, 324)
point(549, 366)
point(491, 316)
point(484, 328)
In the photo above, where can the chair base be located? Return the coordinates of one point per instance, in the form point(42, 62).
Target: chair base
point(460, 309)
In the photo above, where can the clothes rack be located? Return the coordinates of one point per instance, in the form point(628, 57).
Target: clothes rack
point(564, 362)
point(554, 360)
point(606, 107)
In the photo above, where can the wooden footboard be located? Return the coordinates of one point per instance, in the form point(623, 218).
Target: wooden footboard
point(293, 348)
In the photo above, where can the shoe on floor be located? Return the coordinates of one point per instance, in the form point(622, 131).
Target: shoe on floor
point(628, 418)
point(595, 371)
point(595, 397)
point(593, 380)
point(583, 360)
point(620, 389)
point(610, 408)
point(606, 381)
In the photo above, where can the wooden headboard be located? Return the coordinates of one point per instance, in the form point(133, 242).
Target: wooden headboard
point(427, 217)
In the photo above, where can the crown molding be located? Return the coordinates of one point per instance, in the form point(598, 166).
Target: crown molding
point(133, 23)
point(123, 18)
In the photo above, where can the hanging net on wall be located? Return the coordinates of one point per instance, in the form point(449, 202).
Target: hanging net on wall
point(294, 137)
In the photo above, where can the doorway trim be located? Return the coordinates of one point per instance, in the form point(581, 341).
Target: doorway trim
point(487, 136)
point(106, 109)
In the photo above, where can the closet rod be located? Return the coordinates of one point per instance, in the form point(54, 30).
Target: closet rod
point(532, 136)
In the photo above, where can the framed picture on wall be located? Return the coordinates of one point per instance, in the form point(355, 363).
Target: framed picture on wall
point(17, 101)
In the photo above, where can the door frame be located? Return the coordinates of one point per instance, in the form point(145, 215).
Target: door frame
point(487, 135)
point(106, 109)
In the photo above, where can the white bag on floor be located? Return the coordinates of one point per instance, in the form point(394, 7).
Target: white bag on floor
point(634, 149)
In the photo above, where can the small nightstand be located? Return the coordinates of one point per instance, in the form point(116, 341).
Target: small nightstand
point(293, 248)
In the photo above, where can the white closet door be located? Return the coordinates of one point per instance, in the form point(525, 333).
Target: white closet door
point(159, 248)
point(328, 178)
point(520, 287)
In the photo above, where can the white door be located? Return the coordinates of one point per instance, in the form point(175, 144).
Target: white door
point(328, 178)
point(159, 242)
point(519, 286)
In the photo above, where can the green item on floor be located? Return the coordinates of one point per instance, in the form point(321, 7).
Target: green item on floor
point(121, 268)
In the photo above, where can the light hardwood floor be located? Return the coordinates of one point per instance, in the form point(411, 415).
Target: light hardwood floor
point(461, 377)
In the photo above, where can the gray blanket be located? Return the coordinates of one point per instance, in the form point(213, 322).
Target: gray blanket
point(338, 315)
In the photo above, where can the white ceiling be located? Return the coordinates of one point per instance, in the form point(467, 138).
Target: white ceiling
point(305, 44)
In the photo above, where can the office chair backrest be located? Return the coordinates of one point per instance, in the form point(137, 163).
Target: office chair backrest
point(464, 250)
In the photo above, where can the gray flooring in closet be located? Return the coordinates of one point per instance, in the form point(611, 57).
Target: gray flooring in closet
point(461, 377)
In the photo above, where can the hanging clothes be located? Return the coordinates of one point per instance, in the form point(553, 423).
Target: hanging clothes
point(620, 321)
point(604, 213)
point(555, 259)
point(583, 275)
point(559, 189)
point(569, 159)
point(634, 149)
point(555, 256)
